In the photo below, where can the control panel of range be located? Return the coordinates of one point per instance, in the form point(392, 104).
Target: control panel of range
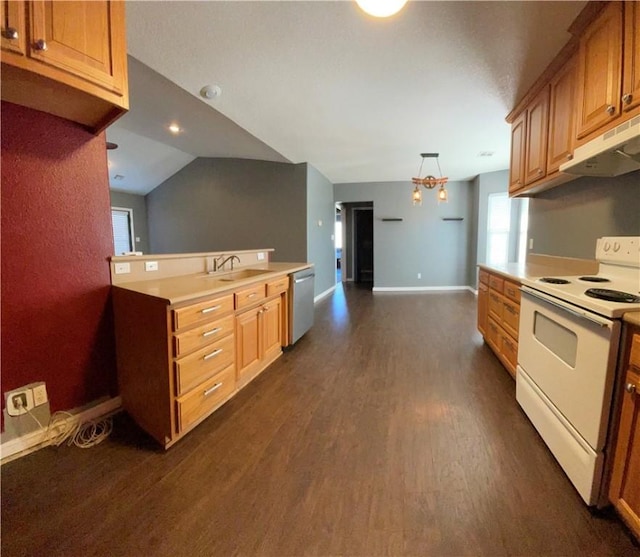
point(621, 250)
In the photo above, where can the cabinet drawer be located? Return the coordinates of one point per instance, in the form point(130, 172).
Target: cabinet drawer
point(200, 402)
point(495, 305)
point(483, 277)
point(512, 291)
point(510, 317)
point(202, 335)
point(202, 312)
point(634, 357)
point(199, 366)
point(250, 296)
point(493, 334)
point(496, 283)
point(277, 286)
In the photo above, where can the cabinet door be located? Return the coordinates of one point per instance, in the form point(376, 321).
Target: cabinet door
point(85, 39)
point(536, 142)
point(14, 28)
point(516, 167)
point(483, 308)
point(600, 71)
point(272, 328)
point(562, 121)
point(631, 71)
point(625, 482)
point(248, 350)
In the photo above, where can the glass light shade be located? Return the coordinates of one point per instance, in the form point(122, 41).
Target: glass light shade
point(442, 195)
point(417, 196)
point(381, 8)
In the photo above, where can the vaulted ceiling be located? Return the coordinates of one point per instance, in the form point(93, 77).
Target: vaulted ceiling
point(321, 82)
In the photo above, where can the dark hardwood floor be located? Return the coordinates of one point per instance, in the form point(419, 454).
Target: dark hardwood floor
point(389, 429)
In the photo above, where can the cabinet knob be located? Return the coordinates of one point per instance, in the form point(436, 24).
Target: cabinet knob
point(11, 33)
point(630, 388)
point(611, 109)
point(41, 45)
point(626, 99)
point(569, 156)
point(539, 170)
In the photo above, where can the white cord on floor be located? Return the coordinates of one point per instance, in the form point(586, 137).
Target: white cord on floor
point(64, 426)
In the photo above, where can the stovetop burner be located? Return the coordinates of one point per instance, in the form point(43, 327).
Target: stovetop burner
point(612, 295)
point(594, 279)
point(552, 280)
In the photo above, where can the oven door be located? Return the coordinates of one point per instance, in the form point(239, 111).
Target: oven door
point(570, 354)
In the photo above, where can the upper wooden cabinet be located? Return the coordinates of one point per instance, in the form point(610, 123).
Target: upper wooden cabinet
point(536, 142)
point(69, 59)
point(600, 71)
point(631, 69)
point(518, 141)
point(562, 119)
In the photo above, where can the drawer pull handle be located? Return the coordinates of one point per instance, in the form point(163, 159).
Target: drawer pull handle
point(252, 295)
point(209, 310)
point(508, 343)
point(212, 354)
point(212, 332)
point(212, 389)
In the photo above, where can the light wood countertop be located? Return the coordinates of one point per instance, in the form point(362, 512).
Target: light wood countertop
point(175, 290)
point(539, 265)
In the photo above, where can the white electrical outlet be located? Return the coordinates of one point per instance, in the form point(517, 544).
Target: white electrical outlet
point(122, 268)
point(260, 256)
point(40, 395)
point(19, 401)
point(150, 265)
point(419, 275)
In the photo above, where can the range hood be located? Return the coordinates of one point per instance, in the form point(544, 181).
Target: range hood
point(613, 153)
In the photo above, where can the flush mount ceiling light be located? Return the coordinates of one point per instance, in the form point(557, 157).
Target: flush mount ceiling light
point(381, 8)
point(210, 92)
point(429, 181)
point(175, 129)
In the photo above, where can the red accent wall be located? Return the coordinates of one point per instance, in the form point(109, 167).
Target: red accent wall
point(56, 238)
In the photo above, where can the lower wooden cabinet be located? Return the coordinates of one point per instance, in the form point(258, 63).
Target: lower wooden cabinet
point(499, 316)
point(624, 489)
point(178, 364)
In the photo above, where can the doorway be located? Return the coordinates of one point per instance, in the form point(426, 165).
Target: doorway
point(363, 245)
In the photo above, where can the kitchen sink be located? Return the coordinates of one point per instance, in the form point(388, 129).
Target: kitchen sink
point(242, 274)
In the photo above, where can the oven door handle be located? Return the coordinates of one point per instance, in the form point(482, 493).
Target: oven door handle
point(566, 307)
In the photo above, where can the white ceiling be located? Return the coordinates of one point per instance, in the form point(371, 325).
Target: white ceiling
point(320, 82)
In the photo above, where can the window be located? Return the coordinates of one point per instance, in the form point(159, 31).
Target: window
point(122, 223)
point(507, 223)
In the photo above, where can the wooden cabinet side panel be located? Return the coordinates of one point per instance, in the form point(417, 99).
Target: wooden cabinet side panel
point(143, 358)
point(600, 71)
point(631, 70)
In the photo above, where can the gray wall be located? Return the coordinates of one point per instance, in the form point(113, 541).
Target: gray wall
point(320, 245)
point(567, 220)
point(226, 204)
point(422, 242)
point(139, 206)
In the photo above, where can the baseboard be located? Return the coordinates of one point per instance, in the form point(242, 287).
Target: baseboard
point(420, 288)
point(324, 294)
point(32, 441)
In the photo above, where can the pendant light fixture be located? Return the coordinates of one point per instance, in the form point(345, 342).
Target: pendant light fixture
point(429, 181)
point(381, 8)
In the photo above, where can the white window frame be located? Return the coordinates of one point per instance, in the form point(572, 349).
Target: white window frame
point(131, 230)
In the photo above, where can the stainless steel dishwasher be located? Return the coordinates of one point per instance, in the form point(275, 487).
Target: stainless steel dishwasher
point(301, 318)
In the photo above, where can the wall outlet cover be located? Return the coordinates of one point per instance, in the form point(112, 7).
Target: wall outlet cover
point(260, 256)
point(150, 265)
point(40, 395)
point(122, 268)
point(19, 401)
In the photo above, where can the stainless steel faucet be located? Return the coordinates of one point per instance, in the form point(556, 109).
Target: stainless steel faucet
point(220, 261)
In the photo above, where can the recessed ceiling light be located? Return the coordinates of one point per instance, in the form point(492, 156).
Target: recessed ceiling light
point(174, 128)
point(486, 153)
point(118, 177)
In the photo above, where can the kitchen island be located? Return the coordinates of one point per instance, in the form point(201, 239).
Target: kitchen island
point(188, 339)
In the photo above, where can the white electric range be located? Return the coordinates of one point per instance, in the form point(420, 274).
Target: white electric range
point(567, 354)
